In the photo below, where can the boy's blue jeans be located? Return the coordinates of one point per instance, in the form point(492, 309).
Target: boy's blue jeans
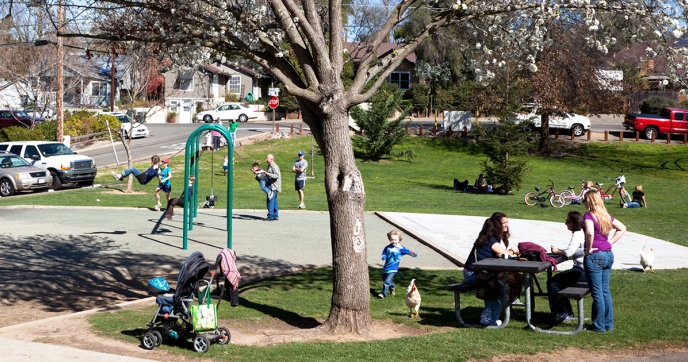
point(388, 281)
point(132, 170)
point(263, 187)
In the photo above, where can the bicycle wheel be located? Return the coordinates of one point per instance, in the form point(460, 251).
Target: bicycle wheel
point(568, 196)
point(532, 198)
point(557, 201)
point(625, 196)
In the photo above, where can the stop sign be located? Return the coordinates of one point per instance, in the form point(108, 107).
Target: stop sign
point(273, 102)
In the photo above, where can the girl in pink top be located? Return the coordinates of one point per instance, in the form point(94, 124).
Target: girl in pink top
point(599, 258)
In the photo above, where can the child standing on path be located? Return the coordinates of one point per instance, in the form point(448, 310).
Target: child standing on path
point(392, 254)
point(165, 184)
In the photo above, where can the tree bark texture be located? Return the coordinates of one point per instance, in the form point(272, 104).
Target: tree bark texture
point(544, 133)
point(350, 309)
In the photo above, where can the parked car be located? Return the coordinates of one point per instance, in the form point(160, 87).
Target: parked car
point(669, 120)
point(139, 131)
point(559, 119)
point(226, 112)
point(41, 113)
point(17, 174)
point(9, 118)
point(65, 166)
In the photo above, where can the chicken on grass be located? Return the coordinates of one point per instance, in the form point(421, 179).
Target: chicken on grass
point(413, 298)
point(647, 259)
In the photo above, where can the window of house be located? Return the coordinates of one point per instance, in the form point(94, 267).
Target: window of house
point(184, 81)
point(401, 79)
point(99, 89)
point(235, 84)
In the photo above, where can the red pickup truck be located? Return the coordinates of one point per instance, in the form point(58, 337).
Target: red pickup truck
point(669, 120)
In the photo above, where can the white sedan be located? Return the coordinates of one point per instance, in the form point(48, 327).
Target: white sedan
point(139, 131)
point(559, 119)
point(226, 112)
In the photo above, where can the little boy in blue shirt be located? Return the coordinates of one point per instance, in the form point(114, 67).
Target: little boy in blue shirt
point(392, 254)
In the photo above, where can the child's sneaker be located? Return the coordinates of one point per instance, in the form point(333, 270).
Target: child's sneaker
point(302, 206)
point(381, 296)
point(117, 176)
point(391, 290)
point(271, 194)
point(157, 206)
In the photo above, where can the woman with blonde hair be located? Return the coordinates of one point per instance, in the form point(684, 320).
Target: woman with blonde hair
point(599, 258)
point(638, 198)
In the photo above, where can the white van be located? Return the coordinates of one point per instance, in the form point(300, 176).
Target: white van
point(65, 166)
point(140, 130)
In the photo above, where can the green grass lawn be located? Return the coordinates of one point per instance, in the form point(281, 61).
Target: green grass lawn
point(647, 308)
point(424, 185)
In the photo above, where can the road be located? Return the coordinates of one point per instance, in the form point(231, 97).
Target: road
point(163, 138)
point(605, 122)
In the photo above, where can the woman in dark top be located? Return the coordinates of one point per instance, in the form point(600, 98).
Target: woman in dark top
point(492, 242)
point(638, 198)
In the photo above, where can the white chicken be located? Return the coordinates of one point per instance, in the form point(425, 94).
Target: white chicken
point(647, 259)
point(413, 298)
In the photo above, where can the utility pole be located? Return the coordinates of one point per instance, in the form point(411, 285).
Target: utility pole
point(59, 119)
point(112, 82)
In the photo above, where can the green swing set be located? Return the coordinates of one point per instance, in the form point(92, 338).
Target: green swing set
point(193, 151)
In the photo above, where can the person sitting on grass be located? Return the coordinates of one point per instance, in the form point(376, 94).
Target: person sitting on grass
point(638, 198)
point(179, 201)
point(143, 177)
point(480, 184)
point(460, 186)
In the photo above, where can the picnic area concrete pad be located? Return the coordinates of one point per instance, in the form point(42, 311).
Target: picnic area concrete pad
point(454, 236)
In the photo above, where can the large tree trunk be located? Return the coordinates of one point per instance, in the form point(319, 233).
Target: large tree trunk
point(544, 133)
point(350, 309)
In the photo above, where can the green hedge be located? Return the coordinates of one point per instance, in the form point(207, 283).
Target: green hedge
point(79, 123)
point(19, 133)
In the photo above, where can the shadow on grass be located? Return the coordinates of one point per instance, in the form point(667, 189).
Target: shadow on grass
point(284, 315)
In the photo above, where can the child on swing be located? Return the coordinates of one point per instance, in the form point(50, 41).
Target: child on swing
point(187, 195)
point(143, 177)
point(260, 177)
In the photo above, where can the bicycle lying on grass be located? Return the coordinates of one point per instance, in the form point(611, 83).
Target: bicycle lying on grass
point(619, 183)
point(535, 197)
point(570, 195)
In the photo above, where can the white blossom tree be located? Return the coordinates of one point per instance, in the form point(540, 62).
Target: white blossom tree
point(264, 30)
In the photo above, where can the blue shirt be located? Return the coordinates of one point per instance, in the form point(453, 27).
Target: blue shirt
point(483, 252)
point(165, 173)
point(392, 257)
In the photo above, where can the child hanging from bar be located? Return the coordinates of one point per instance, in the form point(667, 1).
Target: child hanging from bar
point(143, 177)
point(260, 177)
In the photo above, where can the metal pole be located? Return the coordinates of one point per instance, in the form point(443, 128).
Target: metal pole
point(230, 193)
point(273, 121)
point(112, 81)
point(59, 120)
point(112, 142)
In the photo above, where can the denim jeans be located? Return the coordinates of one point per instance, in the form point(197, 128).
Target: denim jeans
point(387, 282)
point(633, 204)
point(263, 187)
point(561, 307)
point(273, 207)
point(233, 136)
point(598, 268)
point(493, 308)
point(135, 171)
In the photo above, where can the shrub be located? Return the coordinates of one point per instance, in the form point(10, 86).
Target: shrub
point(421, 96)
point(19, 133)
point(48, 129)
point(655, 104)
point(377, 135)
point(81, 123)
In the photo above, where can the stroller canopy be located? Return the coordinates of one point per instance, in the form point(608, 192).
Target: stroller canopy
point(193, 269)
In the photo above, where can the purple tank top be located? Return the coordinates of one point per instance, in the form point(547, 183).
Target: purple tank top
point(599, 241)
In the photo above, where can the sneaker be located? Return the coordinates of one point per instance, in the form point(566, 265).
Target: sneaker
point(499, 323)
point(157, 206)
point(271, 194)
point(117, 176)
point(391, 290)
point(302, 206)
point(625, 205)
point(381, 296)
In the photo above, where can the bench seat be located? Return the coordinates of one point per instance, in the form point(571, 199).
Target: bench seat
point(577, 291)
point(464, 287)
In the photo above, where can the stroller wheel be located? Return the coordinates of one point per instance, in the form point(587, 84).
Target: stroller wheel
point(158, 338)
point(201, 343)
point(225, 336)
point(149, 340)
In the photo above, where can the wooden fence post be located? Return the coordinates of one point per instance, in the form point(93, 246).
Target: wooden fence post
point(637, 136)
point(449, 132)
point(606, 136)
point(464, 133)
point(621, 136)
point(291, 129)
point(685, 138)
point(652, 140)
point(668, 138)
point(589, 134)
point(434, 131)
point(556, 134)
point(572, 135)
point(277, 128)
point(407, 129)
point(300, 128)
point(420, 130)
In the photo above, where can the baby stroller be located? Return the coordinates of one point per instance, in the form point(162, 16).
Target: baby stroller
point(178, 315)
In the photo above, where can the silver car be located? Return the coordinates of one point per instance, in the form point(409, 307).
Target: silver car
point(17, 174)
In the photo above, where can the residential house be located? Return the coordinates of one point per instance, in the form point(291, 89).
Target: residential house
point(10, 96)
point(403, 76)
point(211, 84)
